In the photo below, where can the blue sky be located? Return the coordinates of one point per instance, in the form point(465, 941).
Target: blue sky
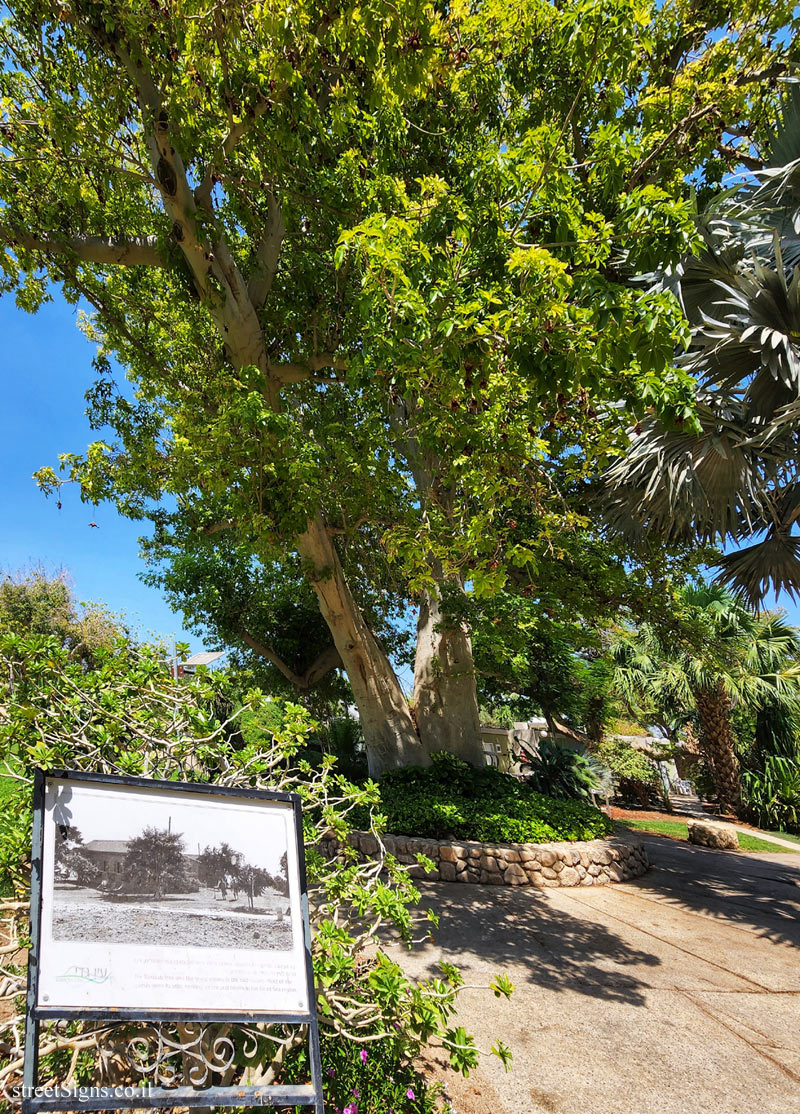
point(45, 369)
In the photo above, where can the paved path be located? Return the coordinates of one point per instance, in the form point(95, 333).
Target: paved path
point(678, 993)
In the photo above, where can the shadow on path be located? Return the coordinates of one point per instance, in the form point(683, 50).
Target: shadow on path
point(519, 928)
point(758, 894)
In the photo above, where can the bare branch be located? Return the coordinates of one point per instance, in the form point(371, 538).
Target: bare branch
point(683, 125)
point(752, 162)
point(298, 373)
point(136, 251)
point(267, 256)
point(327, 661)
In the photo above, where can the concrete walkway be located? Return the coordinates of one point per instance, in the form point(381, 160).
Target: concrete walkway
point(678, 993)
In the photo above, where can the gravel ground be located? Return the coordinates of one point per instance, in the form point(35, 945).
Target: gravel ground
point(80, 915)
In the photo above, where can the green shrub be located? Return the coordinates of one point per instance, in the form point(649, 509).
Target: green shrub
point(451, 799)
point(373, 1078)
point(772, 795)
point(627, 763)
point(124, 713)
point(557, 771)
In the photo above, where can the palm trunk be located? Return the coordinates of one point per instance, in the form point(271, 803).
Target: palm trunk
point(691, 744)
point(389, 732)
point(716, 738)
point(445, 697)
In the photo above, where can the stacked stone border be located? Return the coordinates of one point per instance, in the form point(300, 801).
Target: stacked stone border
point(593, 863)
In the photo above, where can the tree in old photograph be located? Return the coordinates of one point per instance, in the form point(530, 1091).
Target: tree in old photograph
point(281, 880)
point(222, 865)
point(219, 864)
point(72, 864)
point(156, 863)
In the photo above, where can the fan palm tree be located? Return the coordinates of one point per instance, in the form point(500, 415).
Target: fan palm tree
point(737, 475)
point(729, 655)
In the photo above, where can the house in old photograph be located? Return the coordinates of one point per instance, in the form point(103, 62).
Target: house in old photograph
point(108, 855)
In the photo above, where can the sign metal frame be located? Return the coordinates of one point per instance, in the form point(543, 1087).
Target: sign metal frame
point(157, 1097)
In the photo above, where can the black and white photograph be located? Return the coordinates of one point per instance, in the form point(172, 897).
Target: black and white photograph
point(150, 869)
point(170, 899)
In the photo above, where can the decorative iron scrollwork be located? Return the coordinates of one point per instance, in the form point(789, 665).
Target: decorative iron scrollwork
point(190, 1053)
point(173, 1054)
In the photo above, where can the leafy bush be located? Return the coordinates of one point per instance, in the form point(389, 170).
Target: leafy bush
point(15, 837)
point(371, 1079)
point(124, 713)
point(635, 774)
point(772, 795)
point(344, 738)
point(451, 799)
point(559, 772)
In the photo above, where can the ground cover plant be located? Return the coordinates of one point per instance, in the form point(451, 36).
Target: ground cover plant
point(124, 713)
point(450, 799)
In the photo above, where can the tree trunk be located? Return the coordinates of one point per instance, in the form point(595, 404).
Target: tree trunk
point(691, 744)
point(445, 693)
point(389, 733)
point(716, 737)
point(445, 699)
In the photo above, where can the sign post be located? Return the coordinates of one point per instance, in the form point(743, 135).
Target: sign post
point(174, 917)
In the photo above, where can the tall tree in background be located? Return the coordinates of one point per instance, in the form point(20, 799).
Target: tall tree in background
point(36, 602)
point(361, 264)
point(725, 655)
point(734, 476)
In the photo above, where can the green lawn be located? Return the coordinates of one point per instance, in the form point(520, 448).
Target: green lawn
point(679, 829)
point(749, 842)
point(661, 827)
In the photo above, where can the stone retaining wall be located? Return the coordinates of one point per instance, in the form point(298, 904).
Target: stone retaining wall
point(513, 864)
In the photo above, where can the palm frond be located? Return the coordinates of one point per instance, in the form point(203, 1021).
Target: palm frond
point(771, 563)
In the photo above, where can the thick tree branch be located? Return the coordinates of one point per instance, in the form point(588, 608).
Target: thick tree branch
point(780, 69)
point(327, 661)
point(137, 251)
point(736, 154)
point(168, 170)
point(218, 527)
point(269, 250)
point(217, 278)
point(299, 373)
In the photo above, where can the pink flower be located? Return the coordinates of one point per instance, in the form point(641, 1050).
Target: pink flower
point(331, 1072)
point(351, 1108)
point(409, 1093)
point(364, 1055)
